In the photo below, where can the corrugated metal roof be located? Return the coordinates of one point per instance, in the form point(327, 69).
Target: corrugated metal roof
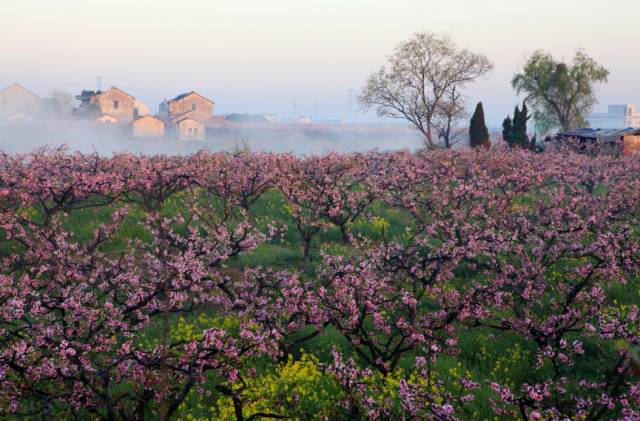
point(587, 133)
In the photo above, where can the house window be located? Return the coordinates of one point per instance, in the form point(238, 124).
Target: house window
point(116, 104)
point(193, 106)
point(190, 129)
point(195, 132)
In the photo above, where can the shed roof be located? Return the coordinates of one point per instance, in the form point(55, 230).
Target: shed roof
point(587, 133)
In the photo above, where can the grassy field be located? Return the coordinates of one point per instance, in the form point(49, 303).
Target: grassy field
point(484, 355)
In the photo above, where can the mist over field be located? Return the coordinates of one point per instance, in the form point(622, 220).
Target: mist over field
point(24, 136)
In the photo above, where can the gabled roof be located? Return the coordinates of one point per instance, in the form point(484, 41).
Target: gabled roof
point(186, 94)
point(17, 85)
point(192, 114)
point(185, 118)
point(113, 88)
point(147, 117)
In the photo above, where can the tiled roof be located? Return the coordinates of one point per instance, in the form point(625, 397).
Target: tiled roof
point(179, 97)
point(113, 88)
point(186, 94)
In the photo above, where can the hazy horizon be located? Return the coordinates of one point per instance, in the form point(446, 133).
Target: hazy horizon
point(262, 56)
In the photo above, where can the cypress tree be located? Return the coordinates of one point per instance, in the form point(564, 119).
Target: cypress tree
point(507, 131)
point(478, 132)
point(514, 132)
point(517, 123)
point(517, 127)
point(520, 118)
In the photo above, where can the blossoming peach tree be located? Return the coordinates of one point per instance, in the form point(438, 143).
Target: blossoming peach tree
point(101, 256)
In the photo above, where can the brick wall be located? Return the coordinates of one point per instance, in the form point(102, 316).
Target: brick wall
point(631, 144)
point(148, 127)
point(203, 108)
point(115, 103)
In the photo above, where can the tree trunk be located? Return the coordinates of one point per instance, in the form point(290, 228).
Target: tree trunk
point(429, 137)
point(431, 144)
point(307, 252)
point(164, 375)
point(237, 408)
point(344, 232)
point(447, 141)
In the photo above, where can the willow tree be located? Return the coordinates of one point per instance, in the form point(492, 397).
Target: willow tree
point(561, 94)
point(420, 81)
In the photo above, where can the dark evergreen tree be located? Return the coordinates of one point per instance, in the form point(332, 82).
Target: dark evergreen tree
point(478, 132)
point(520, 127)
point(507, 131)
point(516, 127)
point(514, 132)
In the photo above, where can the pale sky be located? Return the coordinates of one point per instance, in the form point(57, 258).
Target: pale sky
point(262, 55)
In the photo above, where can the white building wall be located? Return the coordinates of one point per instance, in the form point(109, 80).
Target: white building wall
point(616, 117)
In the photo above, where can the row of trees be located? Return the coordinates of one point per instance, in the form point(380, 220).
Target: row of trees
point(542, 251)
point(425, 76)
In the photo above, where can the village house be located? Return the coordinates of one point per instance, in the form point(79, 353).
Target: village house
point(189, 129)
point(17, 100)
point(200, 107)
point(109, 105)
point(148, 126)
point(192, 114)
point(187, 115)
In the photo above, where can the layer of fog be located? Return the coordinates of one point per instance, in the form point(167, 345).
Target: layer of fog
point(24, 136)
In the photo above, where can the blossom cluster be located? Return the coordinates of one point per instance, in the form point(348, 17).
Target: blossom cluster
point(542, 249)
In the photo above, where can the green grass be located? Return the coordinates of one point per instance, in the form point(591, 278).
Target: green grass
point(485, 355)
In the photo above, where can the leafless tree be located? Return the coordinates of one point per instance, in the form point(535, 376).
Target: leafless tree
point(424, 73)
point(446, 124)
